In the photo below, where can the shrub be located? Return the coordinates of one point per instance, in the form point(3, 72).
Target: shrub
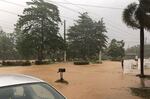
point(98, 62)
point(105, 57)
point(16, 63)
point(116, 59)
point(26, 63)
point(44, 62)
point(81, 63)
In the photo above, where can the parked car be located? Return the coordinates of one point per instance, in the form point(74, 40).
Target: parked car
point(16, 86)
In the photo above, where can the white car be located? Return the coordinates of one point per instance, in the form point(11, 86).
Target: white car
point(16, 86)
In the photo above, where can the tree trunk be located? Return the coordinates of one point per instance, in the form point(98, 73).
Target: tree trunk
point(65, 55)
point(40, 50)
point(142, 50)
point(40, 57)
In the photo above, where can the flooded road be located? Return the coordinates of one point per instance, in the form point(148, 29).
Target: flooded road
point(95, 81)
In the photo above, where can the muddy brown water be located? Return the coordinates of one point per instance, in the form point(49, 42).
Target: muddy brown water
point(95, 81)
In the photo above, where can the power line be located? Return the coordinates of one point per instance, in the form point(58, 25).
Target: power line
point(16, 4)
point(48, 0)
point(21, 6)
point(109, 24)
point(75, 5)
point(110, 36)
point(111, 29)
point(87, 5)
point(69, 3)
point(98, 15)
point(17, 14)
point(63, 6)
point(12, 13)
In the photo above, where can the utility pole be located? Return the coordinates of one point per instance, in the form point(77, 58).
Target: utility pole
point(65, 59)
point(142, 51)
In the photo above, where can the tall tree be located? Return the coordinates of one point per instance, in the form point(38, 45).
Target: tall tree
point(137, 16)
point(86, 37)
point(38, 28)
point(7, 47)
point(116, 49)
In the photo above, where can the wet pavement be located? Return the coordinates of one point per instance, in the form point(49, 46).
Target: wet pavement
point(142, 89)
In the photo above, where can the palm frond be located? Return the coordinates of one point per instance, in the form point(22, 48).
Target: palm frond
point(129, 16)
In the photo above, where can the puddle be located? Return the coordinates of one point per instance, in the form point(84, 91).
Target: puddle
point(141, 92)
point(62, 81)
point(143, 88)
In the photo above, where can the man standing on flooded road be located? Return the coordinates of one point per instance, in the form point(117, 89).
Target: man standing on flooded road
point(122, 64)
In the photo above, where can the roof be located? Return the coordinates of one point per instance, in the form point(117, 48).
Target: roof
point(15, 79)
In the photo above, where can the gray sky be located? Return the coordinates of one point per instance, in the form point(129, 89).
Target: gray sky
point(112, 17)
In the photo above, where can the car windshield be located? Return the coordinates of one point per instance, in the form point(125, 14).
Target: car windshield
point(30, 91)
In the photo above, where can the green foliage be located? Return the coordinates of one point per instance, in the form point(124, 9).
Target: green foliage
point(16, 63)
point(25, 46)
point(7, 47)
point(106, 57)
point(86, 38)
point(43, 62)
point(135, 50)
point(116, 59)
point(116, 49)
point(81, 63)
point(37, 30)
point(135, 15)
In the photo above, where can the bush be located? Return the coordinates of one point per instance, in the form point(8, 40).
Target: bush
point(116, 59)
point(26, 63)
point(105, 57)
point(16, 63)
point(98, 62)
point(44, 62)
point(82, 63)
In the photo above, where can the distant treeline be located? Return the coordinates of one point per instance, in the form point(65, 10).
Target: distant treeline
point(37, 36)
point(135, 50)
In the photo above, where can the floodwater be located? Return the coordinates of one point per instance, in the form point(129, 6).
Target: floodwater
point(95, 81)
point(143, 88)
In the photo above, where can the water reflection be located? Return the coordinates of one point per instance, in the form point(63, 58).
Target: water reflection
point(143, 90)
point(142, 81)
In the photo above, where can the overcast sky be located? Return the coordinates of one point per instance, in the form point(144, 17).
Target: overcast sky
point(112, 17)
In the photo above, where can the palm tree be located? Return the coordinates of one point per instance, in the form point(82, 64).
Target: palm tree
point(137, 16)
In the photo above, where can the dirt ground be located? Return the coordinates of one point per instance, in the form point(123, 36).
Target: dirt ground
point(95, 81)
